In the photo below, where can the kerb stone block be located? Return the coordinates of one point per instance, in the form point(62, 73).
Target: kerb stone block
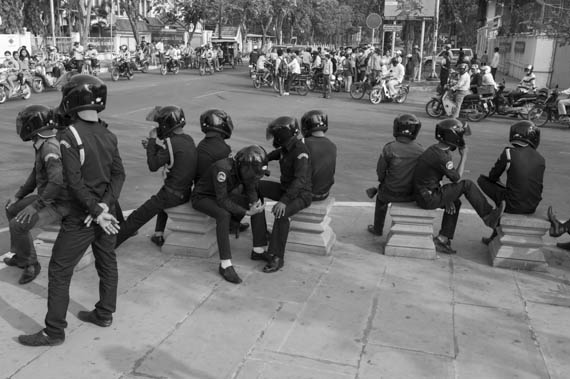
point(44, 246)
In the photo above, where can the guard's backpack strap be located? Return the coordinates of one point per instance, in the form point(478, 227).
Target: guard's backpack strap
point(79, 144)
point(508, 154)
point(170, 153)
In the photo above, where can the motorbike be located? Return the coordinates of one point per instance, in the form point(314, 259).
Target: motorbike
point(520, 107)
point(381, 93)
point(138, 64)
point(338, 82)
point(43, 79)
point(359, 89)
point(299, 85)
point(21, 87)
point(472, 108)
point(263, 78)
point(171, 65)
point(91, 66)
point(206, 65)
point(546, 109)
point(120, 68)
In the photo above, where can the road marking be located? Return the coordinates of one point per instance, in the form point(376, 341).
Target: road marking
point(565, 152)
point(209, 94)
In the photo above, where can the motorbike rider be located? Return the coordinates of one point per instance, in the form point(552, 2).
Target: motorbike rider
point(487, 80)
point(77, 55)
point(476, 78)
point(173, 53)
point(13, 68)
point(125, 58)
point(461, 88)
point(445, 67)
point(92, 55)
point(254, 55)
point(294, 71)
point(562, 102)
point(526, 85)
point(219, 53)
point(396, 76)
point(208, 56)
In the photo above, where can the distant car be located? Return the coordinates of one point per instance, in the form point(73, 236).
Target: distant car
point(455, 52)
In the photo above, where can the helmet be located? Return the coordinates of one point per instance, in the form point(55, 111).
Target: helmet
point(313, 121)
point(217, 120)
point(407, 125)
point(282, 129)
point(451, 132)
point(81, 93)
point(474, 67)
point(123, 47)
point(528, 69)
point(485, 69)
point(34, 119)
point(90, 46)
point(462, 67)
point(525, 131)
point(51, 48)
point(251, 162)
point(447, 47)
point(168, 118)
point(394, 61)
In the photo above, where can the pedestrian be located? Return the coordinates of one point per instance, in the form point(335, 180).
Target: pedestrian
point(395, 169)
point(292, 193)
point(214, 196)
point(94, 175)
point(327, 72)
point(314, 125)
point(444, 68)
point(434, 164)
point(460, 57)
point(26, 210)
point(294, 69)
point(281, 72)
point(495, 62)
point(159, 47)
point(416, 61)
point(484, 59)
point(178, 159)
point(525, 172)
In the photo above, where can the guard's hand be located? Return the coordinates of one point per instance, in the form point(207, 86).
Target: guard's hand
point(450, 208)
point(108, 223)
point(144, 143)
point(279, 209)
point(256, 208)
point(26, 214)
point(463, 150)
point(152, 133)
point(12, 200)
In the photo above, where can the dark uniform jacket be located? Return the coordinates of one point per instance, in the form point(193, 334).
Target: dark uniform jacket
point(100, 178)
point(525, 172)
point(180, 176)
point(431, 167)
point(295, 166)
point(219, 180)
point(46, 176)
point(395, 169)
point(323, 165)
point(211, 149)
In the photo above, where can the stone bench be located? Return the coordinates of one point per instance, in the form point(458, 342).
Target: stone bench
point(310, 231)
point(518, 244)
point(44, 246)
point(411, 233)
point(192, 233)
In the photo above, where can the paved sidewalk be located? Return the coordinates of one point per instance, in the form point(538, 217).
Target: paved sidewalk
point(354, 314)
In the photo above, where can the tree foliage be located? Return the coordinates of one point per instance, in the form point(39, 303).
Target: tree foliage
point(12, 16)
point(184, 12)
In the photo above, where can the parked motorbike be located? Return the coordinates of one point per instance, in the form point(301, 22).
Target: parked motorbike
point(520, 107)
point(206, 65)
point(299, 85)
point(138, 64)
point(546, 108)
point(381, 93)
point(18, 91)
point(472, 107)
point(171, 65)
point(120, 68)
point(338, 82)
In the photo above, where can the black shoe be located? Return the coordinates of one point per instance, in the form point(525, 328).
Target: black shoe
point(30, 273)
point(12, 262)
point(229, 274)
point(39, 339)
point(443, 247)
point(486, 240)
point(493, 218)
point(265, 256)
point(556, 227)
point(372, 230)
point(564, 245)
point(157, 240)
point(274, 265)
point(92, 317)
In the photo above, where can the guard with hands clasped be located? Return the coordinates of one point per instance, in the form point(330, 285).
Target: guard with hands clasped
point(436, 163)
point(395, 169)
point(178, 158)
point(94, 175)
point(25, 210)
point(214, 195)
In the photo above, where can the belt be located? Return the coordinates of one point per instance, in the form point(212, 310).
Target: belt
point(320, 197)
point(393, 193)
point(178, 194)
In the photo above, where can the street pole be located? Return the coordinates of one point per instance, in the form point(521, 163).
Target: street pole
point(421, 49)
point(52, 22)
point(111, 26)
point(433, 75)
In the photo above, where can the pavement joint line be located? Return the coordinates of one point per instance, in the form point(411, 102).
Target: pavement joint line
point(453, 304)
point(320, 360)
point(414, 350)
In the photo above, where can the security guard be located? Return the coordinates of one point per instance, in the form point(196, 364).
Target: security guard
point(395, 169)
point(525, 172)
point(435, 163)
point(35, 123)
point(94, 175)
point(178, 158)
point(292, 194)
point(213, 196)
point(314, 125)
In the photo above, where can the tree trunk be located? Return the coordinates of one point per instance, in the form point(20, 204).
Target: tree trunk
point(191, 33)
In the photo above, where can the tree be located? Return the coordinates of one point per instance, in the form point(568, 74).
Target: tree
point(186, 12)
point(131, 8)
point(80, 12)
point(36, 16)
point(12, 16)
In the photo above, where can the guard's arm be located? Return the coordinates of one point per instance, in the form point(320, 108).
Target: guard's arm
point(156, 156)
point(302, 172)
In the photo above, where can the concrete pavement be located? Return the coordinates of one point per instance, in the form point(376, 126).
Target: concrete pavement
point(354, 314)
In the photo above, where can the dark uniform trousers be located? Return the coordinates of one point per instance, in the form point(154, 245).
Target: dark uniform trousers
point(450, 193)
point(154, 206)
point(280, 232)
point(494, 190)
point(22, 244)
point(382, 200)
point(71, 243)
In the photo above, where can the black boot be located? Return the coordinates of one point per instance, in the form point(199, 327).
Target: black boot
point(556, 227)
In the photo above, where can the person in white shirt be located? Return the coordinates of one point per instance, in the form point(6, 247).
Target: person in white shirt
point(294, 71)
point(92, 54)
point(77, 55)
point(159, 46)
point(261, 62)
point(397, 72)
point(495, 62)
point(487, 79)
point(461, 89)
point(327, 72)
point(563, 102)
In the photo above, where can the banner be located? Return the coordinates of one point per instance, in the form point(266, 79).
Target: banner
point(408, 9)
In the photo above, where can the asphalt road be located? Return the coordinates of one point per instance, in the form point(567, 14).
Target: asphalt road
point(359, 129)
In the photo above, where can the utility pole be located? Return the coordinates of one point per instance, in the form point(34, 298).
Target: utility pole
point(52, 22)
point(433, 75)
point(220, 20)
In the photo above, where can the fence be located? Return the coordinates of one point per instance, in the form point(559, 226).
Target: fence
point(63, 44)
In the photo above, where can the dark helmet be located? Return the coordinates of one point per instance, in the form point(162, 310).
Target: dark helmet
point(282, 129)
point(407, 125)
point(394, 61)
point(218, 121)
point(251, 162)
point(313, 121)
point(33, 120)
point(168, 118)
point(81, 93)
point(525, 131)
point(451, 131)
point(528, 69)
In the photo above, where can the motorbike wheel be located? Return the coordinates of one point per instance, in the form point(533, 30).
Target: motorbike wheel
point(527, 107)
point(356, 91)
point(257, 83)
point(115, 74)
point(38, 85)
point(130, 76)
point(501, 107)
point(475, 112)
point(376, 96)
point(3, 95)
point(434, 108)
point(163, 70)
point(26, 91)
point(491, 109)
point(311, 84)
point(401, 97)
point(275, 86)
point(144, 68)
point(302, 89)
point(202, 71)
point(175, 70)
point(539, 116)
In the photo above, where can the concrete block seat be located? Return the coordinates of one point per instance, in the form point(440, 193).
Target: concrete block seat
point(411, 233)
point(518, 244)
point(192, 233)
point(44, 246)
